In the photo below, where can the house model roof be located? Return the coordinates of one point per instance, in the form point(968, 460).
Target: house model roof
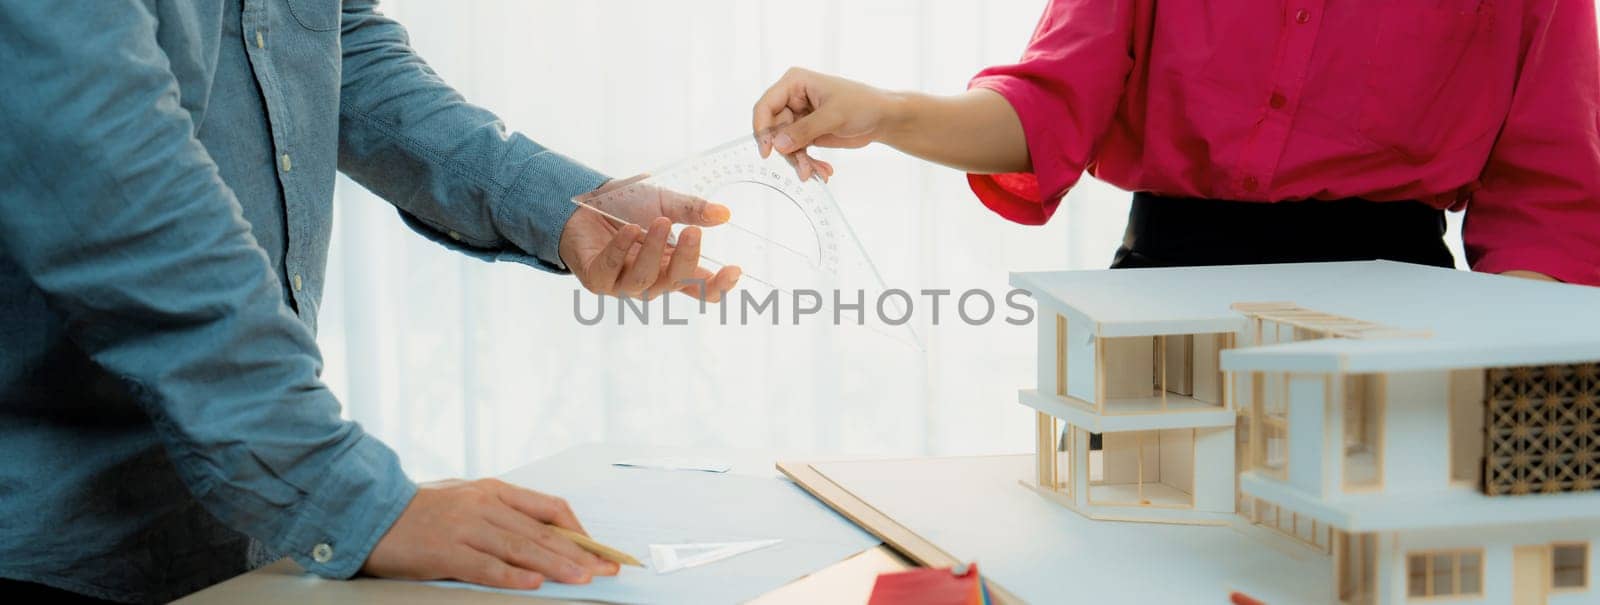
point(1472, 319)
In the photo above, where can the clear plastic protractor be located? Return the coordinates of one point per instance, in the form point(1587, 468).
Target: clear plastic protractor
point(792, 226)
point(785, 233)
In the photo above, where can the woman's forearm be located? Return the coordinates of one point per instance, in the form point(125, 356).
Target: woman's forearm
point(975, 131)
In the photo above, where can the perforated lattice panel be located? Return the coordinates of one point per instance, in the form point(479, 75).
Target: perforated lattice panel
point(1543, 429)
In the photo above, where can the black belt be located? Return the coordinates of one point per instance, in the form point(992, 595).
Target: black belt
point(1183, 232)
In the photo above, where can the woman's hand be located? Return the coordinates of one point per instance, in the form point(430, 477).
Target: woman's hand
point(975, 131)
point(806, 108)
point(1533, 275)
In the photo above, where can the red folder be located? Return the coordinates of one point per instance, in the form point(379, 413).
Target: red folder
point(960, 585)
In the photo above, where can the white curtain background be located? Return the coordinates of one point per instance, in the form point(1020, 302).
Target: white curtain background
point(472, 369)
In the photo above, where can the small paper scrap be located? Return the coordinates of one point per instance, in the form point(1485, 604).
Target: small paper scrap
point(675, 463)
point(668, 558)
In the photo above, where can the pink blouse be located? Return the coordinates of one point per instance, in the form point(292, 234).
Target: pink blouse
point(1488, 105)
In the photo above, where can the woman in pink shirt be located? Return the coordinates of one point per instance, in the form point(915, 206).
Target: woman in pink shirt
point(1298, 130)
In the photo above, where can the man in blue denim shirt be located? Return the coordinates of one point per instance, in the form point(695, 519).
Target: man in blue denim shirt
point(166, 181)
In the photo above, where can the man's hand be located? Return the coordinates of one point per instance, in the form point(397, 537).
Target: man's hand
point(623, 260)
point(485, 532)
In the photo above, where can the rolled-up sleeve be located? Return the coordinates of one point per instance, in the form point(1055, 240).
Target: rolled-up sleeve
point(117, 214)
point(451, 167)
point(1065, 90)
point(1538, 208)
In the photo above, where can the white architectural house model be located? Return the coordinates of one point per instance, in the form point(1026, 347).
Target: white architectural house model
point(1434, 433)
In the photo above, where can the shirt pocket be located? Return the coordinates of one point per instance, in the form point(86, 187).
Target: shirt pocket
point(1429, 89)
point(316, 15)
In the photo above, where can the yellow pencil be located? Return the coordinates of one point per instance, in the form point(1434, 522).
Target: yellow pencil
point(605, 552)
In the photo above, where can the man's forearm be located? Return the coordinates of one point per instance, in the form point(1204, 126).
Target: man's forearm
point(449, 165)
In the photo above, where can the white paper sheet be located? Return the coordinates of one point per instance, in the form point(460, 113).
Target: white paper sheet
point(632, 508)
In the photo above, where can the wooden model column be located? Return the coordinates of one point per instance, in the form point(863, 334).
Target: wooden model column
point(1047, 451)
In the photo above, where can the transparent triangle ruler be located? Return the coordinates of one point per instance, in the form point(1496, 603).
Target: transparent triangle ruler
point(785, 234)
point(669, 558)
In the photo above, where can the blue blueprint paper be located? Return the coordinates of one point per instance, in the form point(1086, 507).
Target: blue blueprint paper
point(631, 508)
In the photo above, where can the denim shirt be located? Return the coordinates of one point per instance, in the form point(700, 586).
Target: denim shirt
point(166, 184)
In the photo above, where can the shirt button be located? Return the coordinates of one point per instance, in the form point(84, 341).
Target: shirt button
point(1302, 16)
point(322, 553)
point(284, 163)
point(1250, 183)
point(297, 282)
point(455, 236)
point(261, 41)
point(1278, 100)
